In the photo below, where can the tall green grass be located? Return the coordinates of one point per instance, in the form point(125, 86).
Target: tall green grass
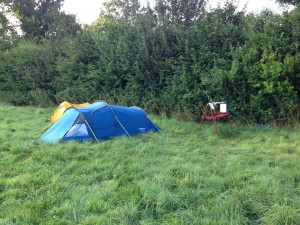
point(183, 175)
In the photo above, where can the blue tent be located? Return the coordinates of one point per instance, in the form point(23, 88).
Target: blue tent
point(99, 121)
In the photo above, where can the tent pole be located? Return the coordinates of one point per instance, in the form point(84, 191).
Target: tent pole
point(118, 120)
point(91, 130)
point(154, 124)
point(123, 127)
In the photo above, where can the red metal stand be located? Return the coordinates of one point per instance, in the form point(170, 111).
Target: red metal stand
point(214, 116)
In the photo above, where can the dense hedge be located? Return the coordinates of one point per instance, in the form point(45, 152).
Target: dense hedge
point(164, 65)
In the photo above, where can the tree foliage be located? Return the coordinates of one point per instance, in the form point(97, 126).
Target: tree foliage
point(184, 12)
point(172, 58)
point(42, 18)
point(291, 2)
point(7, 31)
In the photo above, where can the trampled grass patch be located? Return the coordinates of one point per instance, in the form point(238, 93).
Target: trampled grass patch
point(183, 175)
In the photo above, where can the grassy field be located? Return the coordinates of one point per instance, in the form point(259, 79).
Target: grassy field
point(184, 175)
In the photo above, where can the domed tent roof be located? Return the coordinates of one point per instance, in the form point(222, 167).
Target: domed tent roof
point(99, 121)
point(62, 108)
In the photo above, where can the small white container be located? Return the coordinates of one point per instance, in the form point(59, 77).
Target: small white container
point(223, 108)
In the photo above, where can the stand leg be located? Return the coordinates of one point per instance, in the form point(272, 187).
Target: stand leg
point(201, 123)
point(230, 122)
point(217, 132)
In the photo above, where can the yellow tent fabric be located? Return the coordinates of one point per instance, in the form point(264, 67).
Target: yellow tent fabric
point(62, 108)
